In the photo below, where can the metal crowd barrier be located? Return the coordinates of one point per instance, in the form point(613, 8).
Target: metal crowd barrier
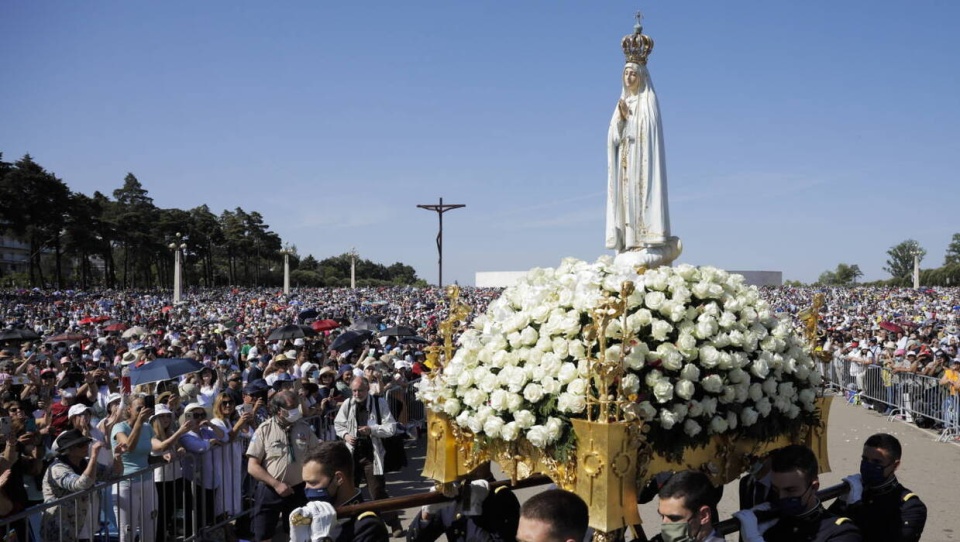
point(189, 498)
point(911, 397)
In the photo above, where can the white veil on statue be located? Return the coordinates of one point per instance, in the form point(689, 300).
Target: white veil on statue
point(637, 210)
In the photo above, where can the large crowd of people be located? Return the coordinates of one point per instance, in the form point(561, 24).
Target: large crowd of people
point(245, 428)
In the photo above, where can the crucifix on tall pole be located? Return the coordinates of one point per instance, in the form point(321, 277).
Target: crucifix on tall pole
point(440, 209)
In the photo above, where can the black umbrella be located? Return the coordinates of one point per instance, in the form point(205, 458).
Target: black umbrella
point(18, 335)
point(399, 331)
point(350, 339)
point(290, 331)
point(163, 369)
point(309, 313)
point(419, 340)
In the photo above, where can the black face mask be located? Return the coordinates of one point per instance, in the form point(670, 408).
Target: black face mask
point(872, 473)
point(790, 506)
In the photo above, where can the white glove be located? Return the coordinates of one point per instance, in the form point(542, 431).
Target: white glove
point(324, 516)
point(299, 533)
point(856, 489)
point(473, 497)
point(749, 529)
point(428, 510)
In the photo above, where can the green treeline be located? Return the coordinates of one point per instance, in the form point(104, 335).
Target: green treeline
point(125, 241)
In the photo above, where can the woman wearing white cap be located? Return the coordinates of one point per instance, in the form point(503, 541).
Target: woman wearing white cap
point(172, 493)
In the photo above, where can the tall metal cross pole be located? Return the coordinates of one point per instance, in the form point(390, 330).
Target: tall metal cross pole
point(440, 209)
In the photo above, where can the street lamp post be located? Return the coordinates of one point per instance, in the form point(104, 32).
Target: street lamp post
point(440, 209)
point(287, 251)
point(177, 248)
point(353, 268)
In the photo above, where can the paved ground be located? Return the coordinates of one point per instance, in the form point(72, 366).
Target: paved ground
point(929, 468)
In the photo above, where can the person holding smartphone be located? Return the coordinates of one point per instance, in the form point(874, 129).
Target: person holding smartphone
point(137, 498)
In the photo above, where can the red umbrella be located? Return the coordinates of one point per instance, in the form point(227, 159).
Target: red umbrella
point(325, 325)
point(166, 309)
point(119, 326)
point(890, 326)
point(93, 320)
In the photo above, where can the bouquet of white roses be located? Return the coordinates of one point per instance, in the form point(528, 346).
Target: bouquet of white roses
point(705, 356)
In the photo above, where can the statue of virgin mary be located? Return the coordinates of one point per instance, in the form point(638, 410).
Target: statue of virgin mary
point(638, 217)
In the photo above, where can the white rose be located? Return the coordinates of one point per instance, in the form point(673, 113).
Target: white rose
point(513, 401)
point(695, 409)
point(656, 301)
point(659, 330)
point(568, 371)
point(474, 398)
point(732, 420)
point(493, 426)
point(729, 394)
point(554, 428)
point(561, 347)
point(537, 435)
point(489, 383)
point(643, 318)
point(578, 386)
point(687, 344)
point(680, 410)
point(690, 372)
point(569, 402)
point(764, 407)
point(652, 378)
point(709, 405)
point(692, 428)
point(748, 417)
point(663, 391)
point(630, 383)
point(706, 327)
point(528, 336)
point(550, 385)
point(793, 411)
point(465, 379)
point(770, 387)
point(807, 396)
point(755, 393)
point(670, 357)
point(524, 418)
point(498, 400)
point(655, 280)
point(712, 384)
point(736, 376)
point(647, 411)
point(726, 361)
point(759, 368)
point(451, 407)
point(668, 419)
point(786, 389)
point(709, 356)
point(577, 350)
point(510, 431)
point(533, 392)
point(684, 389)
point(727, 320)
point(718, 425)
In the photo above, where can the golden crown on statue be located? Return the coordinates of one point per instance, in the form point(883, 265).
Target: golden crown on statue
point(637, 46)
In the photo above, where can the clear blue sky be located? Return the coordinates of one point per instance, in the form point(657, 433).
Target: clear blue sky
point(799, 134)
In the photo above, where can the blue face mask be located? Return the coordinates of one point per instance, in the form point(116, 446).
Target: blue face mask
point(872, 473)
point(318, 494)
point(790, 506)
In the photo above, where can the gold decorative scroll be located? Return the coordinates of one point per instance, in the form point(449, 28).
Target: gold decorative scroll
point(607, 474)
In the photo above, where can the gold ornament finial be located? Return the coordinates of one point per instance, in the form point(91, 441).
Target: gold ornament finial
point(637, 46)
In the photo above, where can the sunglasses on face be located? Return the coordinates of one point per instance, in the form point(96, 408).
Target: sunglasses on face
point(226, 403)
point(199, 415)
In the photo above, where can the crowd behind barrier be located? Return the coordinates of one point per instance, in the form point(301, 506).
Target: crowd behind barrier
point(88, 342)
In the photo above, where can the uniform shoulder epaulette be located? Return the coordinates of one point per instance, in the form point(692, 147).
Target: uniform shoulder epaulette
point(841, 521)
point(499, 489)
point(368, 514)
point(909, 496)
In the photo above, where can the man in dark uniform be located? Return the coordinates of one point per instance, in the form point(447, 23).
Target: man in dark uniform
point(479, 515)
point(877, 503)
point(800, 515)
point(328, 475)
